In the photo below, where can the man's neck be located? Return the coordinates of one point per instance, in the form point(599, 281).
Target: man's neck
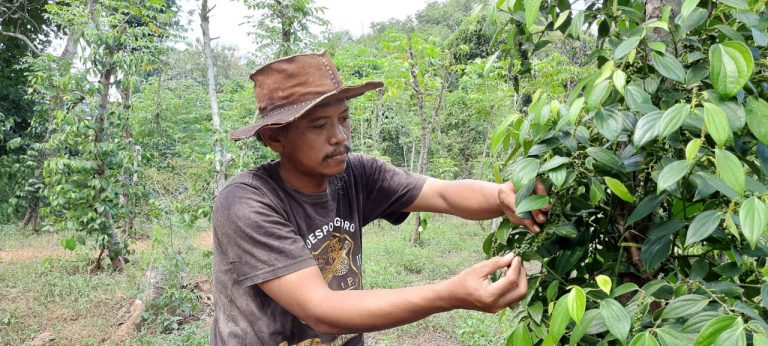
point(301, 182)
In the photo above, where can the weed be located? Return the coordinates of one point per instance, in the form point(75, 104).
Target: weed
point(176, 302)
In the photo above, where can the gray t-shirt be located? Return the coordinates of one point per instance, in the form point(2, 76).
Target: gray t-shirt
point(262, 229)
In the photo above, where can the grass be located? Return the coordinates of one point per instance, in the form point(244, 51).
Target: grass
point(48, 289)
point(449, 245)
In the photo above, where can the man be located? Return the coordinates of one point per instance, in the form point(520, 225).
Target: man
point(287, 252)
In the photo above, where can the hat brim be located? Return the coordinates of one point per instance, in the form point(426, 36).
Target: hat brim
point(290, 113)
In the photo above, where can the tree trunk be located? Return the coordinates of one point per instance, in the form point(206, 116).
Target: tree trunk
point(125, 178)
point(286, 30)
point(378, 119)
point(114, 247)
point(419, 107)
point(28, 215)
point(413, 155)
point(221, 157)
point(426, 124)
point(405, 154)
point(487, 145)
point(158, 98)
point(360, 126)
point(653, 10)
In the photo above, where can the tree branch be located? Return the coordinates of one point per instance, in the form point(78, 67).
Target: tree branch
point(29, 43)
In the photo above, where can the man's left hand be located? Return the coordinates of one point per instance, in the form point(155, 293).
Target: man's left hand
point(507, 200)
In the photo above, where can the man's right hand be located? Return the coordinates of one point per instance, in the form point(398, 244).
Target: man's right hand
point(473, 289)
point(305, 294)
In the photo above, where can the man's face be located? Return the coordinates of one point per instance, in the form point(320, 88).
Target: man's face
point(317, 143)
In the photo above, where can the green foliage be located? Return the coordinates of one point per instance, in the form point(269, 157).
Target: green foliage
point(91, 168)
point(176, 302)
point(284, 27)
point(676, 252)
point(471, 40)
point(27, 18)
point(18, 130)
point(180, 191)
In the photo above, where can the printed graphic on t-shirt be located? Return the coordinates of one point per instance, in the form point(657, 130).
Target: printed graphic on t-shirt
point(334, 257)
point(340, 340)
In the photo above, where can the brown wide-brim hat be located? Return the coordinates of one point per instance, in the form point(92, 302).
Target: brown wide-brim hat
point(287, 88)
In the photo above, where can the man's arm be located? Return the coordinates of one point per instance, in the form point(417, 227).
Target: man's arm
point(475, 200)
point(305, 294)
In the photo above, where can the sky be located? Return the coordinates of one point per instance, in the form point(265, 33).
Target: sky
point(352, 15)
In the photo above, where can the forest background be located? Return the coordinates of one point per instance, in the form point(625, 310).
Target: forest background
point(114, 146)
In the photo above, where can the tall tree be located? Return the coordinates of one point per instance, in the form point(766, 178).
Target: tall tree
point(435, 74)
point(285, 26)
point(221, 157)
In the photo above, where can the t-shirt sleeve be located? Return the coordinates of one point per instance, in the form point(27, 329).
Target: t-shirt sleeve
point(387, 190)
point(255, 236)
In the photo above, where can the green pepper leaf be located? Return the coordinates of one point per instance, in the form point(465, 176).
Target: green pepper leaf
point(669, 67)
point(534, 202)
point(644, 339)
point(619, 189)
point(684, 306)
point(616, 318)
point(577, 303)
point(671, 174)
point(702, 226)
point(753, 221)
point(717, 123)
point(731, 65)
point(647, 128)
point(757, 118)
point(729, 169)
point(672, 119)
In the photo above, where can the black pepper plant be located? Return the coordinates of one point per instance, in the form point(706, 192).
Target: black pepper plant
point(656, 166)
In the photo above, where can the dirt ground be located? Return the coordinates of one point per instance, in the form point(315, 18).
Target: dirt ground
point(44, 249)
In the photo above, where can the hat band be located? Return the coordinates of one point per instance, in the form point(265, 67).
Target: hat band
point(288, 107)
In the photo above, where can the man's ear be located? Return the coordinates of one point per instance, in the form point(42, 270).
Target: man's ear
point(272, 137)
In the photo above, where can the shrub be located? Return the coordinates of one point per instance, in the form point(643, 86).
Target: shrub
point(656, 166)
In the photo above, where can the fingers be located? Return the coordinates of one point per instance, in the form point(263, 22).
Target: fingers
point(541, 214)
point(488, 267)
point(478, 293)
point(515, 287)
point(514, 268)
point(522, 280)
point(508, 204)
point(508, 282)
point(507, 199)
point(540, 189)
point(527, 223)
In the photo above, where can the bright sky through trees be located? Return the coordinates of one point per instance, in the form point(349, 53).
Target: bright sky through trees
point(352, 15)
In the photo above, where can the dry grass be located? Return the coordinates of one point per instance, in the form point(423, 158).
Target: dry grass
point(48, 289)
point(18, 249)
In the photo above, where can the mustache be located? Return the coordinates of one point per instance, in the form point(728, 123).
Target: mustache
point(340, 150)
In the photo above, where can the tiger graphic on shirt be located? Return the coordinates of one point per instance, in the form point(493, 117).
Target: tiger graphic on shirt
point(334, 258)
